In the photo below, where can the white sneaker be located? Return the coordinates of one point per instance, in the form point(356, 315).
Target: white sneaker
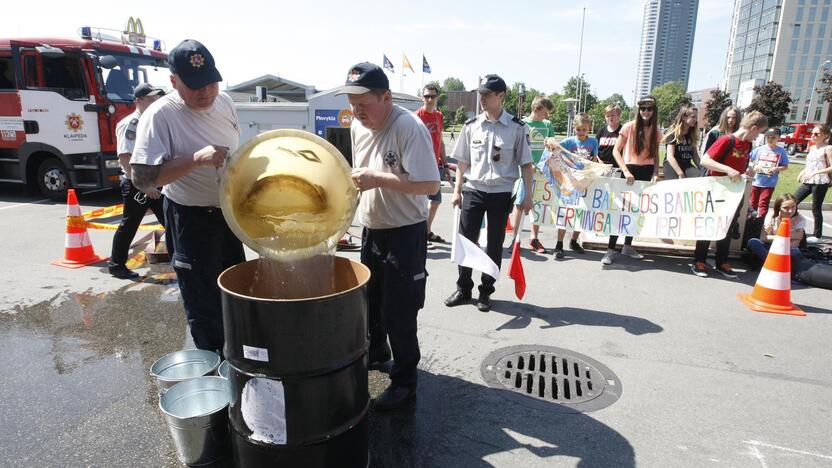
point(629, 251)
point(812, 240)
point(607, 259)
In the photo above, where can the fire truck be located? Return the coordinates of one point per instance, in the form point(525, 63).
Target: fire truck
point(60, 101)
point(796, 137)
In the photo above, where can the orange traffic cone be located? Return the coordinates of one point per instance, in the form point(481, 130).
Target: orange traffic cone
point(78, 248)
point(772, 292)
point(508, 225)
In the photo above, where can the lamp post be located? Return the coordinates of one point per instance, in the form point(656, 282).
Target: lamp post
point(521, 100)
point(570, 111)
point(813, 91)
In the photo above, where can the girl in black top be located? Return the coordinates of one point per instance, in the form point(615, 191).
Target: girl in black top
point(682, 140)
point(607, 136)
point(729, 122)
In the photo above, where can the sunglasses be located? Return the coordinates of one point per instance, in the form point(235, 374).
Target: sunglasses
point(649, 108)
point(496, 156)
point(429, 96)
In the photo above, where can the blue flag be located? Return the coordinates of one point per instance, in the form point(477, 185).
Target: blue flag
point(425, 66)
point(388, 64)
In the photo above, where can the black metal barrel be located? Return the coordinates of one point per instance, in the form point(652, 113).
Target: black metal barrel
point(298, 371)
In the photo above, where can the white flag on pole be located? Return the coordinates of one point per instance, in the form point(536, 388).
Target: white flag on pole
point(466, 253)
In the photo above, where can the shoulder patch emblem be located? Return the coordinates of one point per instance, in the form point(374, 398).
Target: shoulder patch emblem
point(130, 134)
point(391, 159)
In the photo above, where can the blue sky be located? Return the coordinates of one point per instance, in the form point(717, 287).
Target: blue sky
point(316, 42)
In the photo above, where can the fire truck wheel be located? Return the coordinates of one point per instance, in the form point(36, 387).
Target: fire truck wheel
point(53, 179)
point(792, 149)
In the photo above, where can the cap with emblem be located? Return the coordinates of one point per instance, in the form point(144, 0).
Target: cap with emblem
point(194, 64)
point(774, 131)
point(492, 83)
point(145, 89)
point(363, 78)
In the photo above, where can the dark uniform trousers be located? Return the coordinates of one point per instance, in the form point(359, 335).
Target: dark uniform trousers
point(203, 247)
point(396, 291)
point(134, 212)
point(476, 205)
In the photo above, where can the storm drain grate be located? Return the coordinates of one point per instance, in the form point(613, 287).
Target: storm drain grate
point(552, 375)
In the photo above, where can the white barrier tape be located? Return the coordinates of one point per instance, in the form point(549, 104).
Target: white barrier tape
point(774, 280)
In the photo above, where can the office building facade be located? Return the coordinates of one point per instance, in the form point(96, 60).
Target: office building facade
point(667, 32)
point(785, 41)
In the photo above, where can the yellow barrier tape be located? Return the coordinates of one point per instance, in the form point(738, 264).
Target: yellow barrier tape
point(106, 212)
point(79, 222)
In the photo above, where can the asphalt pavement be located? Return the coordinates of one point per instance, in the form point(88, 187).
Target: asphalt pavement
point(703, 380)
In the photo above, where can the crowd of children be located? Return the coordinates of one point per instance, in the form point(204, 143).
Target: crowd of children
point(727, 150)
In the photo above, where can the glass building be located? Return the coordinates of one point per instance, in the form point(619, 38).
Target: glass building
point(667, 33)
point(785, 41)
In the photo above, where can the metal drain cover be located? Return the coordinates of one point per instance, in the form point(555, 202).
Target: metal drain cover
point(542, 375)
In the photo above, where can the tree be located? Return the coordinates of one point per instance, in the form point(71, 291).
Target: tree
point(597, 112)
point(559, 116)
point(773, 101)
point(571, 90)
point(720, 100)
point(453, 84)
point(670, 97)
point(513, 97)
point(461, 116)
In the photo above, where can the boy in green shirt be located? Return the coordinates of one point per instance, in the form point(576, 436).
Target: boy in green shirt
point(539, 130)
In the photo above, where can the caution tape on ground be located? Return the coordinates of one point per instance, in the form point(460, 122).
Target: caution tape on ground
point(80, 222)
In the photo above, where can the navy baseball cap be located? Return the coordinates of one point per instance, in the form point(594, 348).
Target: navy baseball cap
point(145, 89)
point(194, 64)
point(492, 83)
point(363, 78)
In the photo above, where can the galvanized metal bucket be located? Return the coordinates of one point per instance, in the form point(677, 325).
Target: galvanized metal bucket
point(196, 412)
point(178, 366)
point(222, 371)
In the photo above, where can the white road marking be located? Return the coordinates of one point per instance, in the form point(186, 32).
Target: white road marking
point(786, 449)
point(755, 451)
point(35, 203)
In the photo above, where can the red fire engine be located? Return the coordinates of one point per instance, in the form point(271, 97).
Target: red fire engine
point(796, 136)
point(60, 100)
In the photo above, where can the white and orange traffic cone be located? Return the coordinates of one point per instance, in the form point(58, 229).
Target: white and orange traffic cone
point(78, 250)
point(772, 292)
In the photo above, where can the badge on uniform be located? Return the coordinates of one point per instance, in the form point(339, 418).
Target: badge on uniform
point(476, 142)
point(391, 159)
point(130, 135)
point(528, 139)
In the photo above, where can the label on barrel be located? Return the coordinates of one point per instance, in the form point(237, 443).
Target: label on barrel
point(263, 405)
point(256, 354)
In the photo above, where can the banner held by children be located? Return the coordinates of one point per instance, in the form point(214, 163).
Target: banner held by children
point(578, 196)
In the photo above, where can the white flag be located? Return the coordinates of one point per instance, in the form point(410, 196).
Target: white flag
point(466, 253)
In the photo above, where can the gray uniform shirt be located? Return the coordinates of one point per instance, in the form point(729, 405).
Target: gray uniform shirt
point(493, 152)
point(126, 138)
point(170, 129)
point(403, 146)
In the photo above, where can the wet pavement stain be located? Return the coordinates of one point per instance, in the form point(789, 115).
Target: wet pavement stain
point(77, 389)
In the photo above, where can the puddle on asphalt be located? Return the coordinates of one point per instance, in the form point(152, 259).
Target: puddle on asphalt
point(82, 355)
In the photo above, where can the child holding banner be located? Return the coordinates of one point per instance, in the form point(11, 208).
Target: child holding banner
point(607, 136)
point(728, 156)
point(768, 162)
point(637, 153)
point(586, 147)
point(681, 142)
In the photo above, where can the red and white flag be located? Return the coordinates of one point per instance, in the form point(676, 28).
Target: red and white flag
point(468, 254)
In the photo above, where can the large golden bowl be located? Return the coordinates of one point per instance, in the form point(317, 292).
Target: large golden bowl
point(288, 194)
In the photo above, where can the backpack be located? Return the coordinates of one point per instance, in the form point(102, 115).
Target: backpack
point(732, 143)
